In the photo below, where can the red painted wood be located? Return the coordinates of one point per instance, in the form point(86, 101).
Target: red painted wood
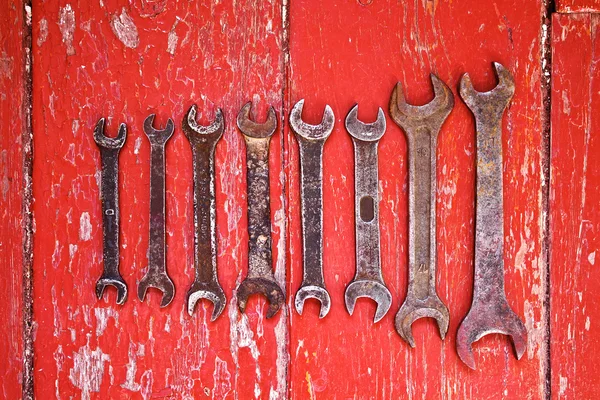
point(577, 6)
point(346, 52)
point(575, 218)
point(123, 61)
point(11, 192)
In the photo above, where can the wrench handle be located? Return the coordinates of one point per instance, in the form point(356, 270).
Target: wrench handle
point(109, 194)
point(422, 145)
point(156, 248)
point(259, 212)
point(205, 212)
point(311, 196)
point(366, 211)
point(489, 222)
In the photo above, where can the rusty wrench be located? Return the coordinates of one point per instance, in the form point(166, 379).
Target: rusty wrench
point(109, 194)
point(260, 278)
point(311, 139)
point(156, 276)
point(203, 140)
point(422, 125)
point(368, 280)
point(490, 312)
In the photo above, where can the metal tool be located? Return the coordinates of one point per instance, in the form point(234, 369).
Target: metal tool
point(157, 277)
point(311, 139)
point(368, 280)
point(260, 278)
point(490, 312)
point(421, 125)
point(203, 140)
point(109, 194)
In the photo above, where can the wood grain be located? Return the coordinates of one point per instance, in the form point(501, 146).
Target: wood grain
point(574, 213)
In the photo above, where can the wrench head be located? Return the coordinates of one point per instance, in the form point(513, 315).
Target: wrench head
point(266, 287)
point(255, 130)
point(161, 282)
point(435, 112)
point(108, 142)
point(493, 101)
point(199, 134)
point(484, 319)
point(210, 291)
point(313, 292)
point(118, 283)
point(155, 135)
point(371, 132)
point(373, 290)
point(414, 308)
point(308, 131)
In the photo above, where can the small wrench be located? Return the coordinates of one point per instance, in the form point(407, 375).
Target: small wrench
point(368, 280)
point(490, 312)
point(156, 276)
point(203, 140)
point(422, 126)
point(311, 139)
point(260, 278)
point(109, 194)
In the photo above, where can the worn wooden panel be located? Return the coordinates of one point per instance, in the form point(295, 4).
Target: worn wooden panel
point(124, 60)
point(351, 51)
point(12, 150)
point(575, 217)
point(577, 6)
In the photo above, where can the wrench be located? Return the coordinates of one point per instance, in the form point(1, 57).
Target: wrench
point(368, 280)
point(109, 194)
point(490, 312)
point(203, 140)
point(422, 126)
point(156, 276)
point(260, 278)
point(311, 139)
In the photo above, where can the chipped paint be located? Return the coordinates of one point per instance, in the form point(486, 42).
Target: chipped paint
point(85, 227)
point(88, 370)
point(66, 23)
point(124, 28)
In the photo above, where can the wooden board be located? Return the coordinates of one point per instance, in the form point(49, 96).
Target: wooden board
point(123, 61)
point(577, 6)
point(348, 52)
point(575, 218)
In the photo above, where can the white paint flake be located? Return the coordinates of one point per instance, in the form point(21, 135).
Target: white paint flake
point(172, 39)
point(85, 227)
point(43, 31)
point(88, 370)
point(222, 379)
point(66, 23)
point(102, 317)
point(125, 30)
point(592, 257)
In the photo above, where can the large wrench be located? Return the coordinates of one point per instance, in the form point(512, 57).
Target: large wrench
point(260, 278)
point(109, 194)
point(203, 140)
point(422, 126)
point(490, 312)
point(311, 139)
point(156, 276)
point(368, 280)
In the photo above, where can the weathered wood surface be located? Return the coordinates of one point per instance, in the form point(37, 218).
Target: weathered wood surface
point(574, 212)
point(124, 61)
point(342, 53)
point(577, 6)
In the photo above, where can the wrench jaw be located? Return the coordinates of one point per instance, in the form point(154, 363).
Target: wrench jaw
point(371, 289)
point(483, 320)
point(108, 142)
point(414, 309)
point(200, 134)
point(253, 129)
point(161, 282)
point(371, 132)
point(267, 288)
point(158, 135)
point(308, 131)
point(493, 101)
point(118, 283)
point(210, 291)
point(313, 292)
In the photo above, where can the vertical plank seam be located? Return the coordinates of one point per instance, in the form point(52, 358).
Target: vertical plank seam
point(27, 199)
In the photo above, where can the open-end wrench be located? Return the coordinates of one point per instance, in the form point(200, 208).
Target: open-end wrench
point(109, 194)
point(203, 140)
point(368, 280)
point(490, 312)
point(260, 278)
point(156, 276)
point(421, 125)
point(311, 139)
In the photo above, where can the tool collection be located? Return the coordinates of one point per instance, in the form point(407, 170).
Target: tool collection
point(490, 311)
